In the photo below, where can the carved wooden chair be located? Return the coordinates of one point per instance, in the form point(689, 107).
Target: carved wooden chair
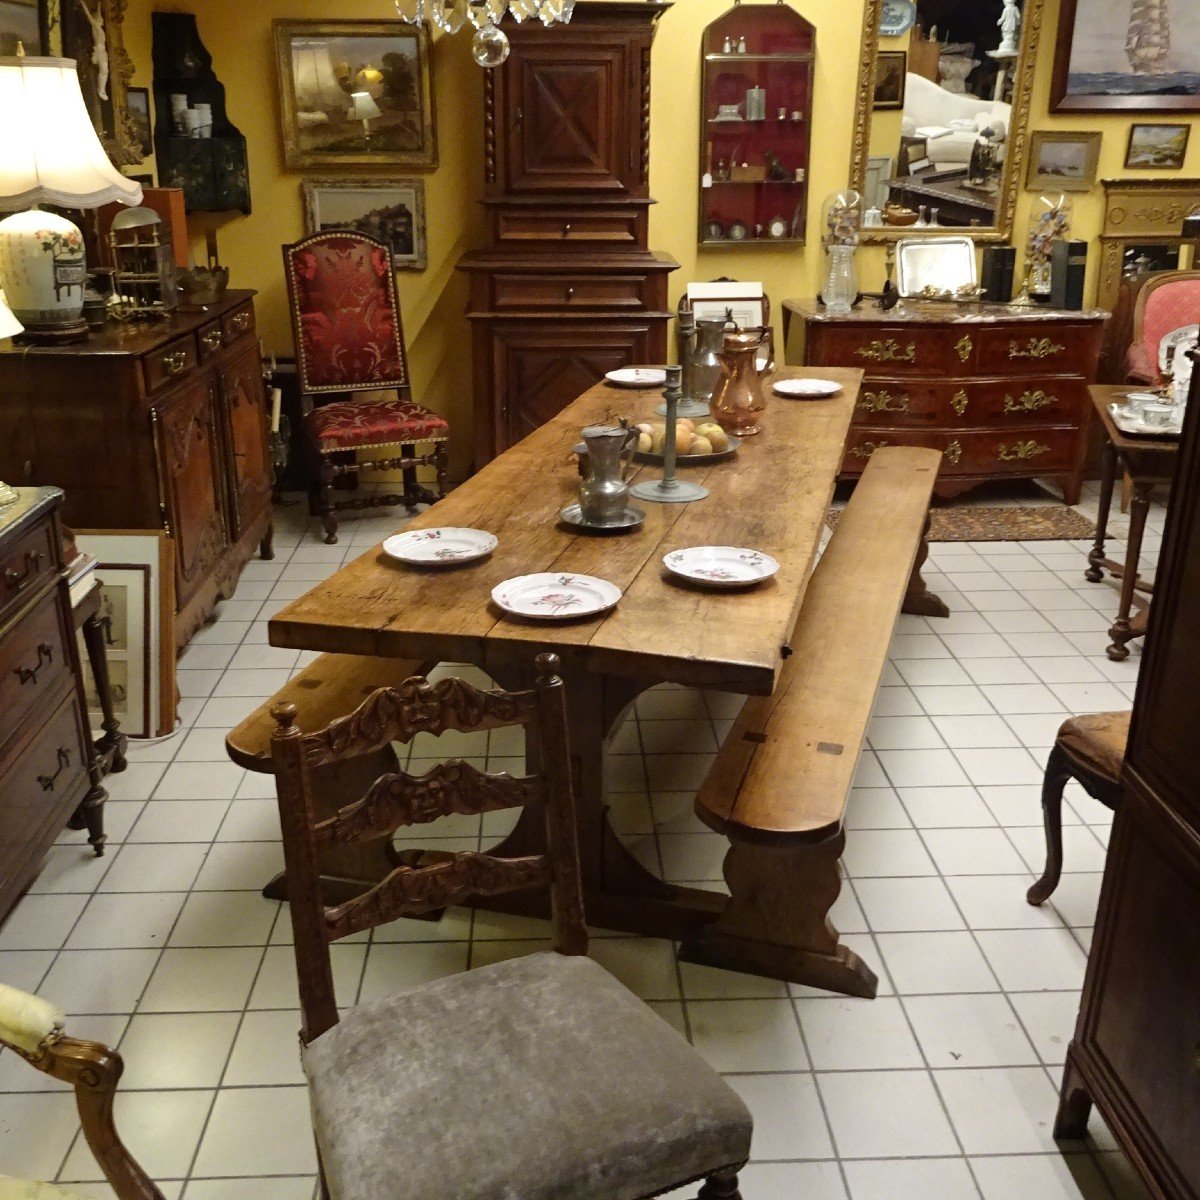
point(540, 1077)
point(1167, 302)
point(1090, 749)
point(33, 1028)
point(349, 340)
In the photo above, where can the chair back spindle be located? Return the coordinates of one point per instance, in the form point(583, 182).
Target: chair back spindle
point(422, 882)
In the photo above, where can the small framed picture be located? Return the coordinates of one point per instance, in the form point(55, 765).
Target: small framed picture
point(891, 72)
point(138, 99)
point(1157, 147)
point(134, 570)
point(392, 210)
point(745, 304)
point(1063, 161)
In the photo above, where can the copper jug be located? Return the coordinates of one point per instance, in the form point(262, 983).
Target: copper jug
point(739, 397)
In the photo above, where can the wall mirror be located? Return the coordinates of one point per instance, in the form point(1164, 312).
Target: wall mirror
point(941, 121)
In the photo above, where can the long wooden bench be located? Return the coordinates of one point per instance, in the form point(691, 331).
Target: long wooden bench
point(779, 785)
point(329, 687)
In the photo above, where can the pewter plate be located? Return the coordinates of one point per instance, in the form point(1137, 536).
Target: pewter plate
point(692, 460)
point(631, 518)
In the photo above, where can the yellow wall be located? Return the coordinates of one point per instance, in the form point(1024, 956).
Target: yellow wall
point(238, 34)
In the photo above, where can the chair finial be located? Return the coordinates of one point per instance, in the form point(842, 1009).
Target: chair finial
point(548, 667)
point(285, 716)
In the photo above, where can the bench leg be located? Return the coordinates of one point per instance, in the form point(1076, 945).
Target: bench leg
point(919, 600)
point(776, 922)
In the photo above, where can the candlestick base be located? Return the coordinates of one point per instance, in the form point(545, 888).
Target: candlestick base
point(692, 409)
point(677, 491)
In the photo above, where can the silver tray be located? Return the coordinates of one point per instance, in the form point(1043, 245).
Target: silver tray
point(631, 518)
point(1136, 427)
point(945, 262)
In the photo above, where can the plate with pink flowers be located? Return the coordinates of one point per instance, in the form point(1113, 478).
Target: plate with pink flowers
point(445, 547)
point(721, 566)
point(556, 596)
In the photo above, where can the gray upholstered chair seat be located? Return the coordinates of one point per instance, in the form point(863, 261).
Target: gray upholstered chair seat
point(538, 1078)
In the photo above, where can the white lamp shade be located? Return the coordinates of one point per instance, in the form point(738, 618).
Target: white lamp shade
point(51, 153)
point(363, 107)
point(9, 325)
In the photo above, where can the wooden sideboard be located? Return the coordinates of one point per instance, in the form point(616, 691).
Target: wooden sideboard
point(48, 769)
point(1136, 1050)
point(568, 289)
point(1002, 392)
point(152, 425)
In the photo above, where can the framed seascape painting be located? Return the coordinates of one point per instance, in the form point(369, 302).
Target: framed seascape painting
point(392, 210)
point(355, 94)
point(1063, 161)
point(1132, 55)
point(1157, 147)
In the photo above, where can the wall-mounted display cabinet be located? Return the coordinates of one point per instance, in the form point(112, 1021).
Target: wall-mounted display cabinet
point(755, 126)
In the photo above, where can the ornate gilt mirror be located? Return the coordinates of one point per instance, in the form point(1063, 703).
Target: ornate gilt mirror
point(941, 120)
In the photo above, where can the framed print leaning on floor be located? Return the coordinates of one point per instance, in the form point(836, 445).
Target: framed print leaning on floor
point(1127, 55)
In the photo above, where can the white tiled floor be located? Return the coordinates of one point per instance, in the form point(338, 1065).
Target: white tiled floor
point(943, 1088)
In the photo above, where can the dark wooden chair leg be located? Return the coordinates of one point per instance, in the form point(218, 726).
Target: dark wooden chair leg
point(721, 1186)
point(441, 465)
point(412, 490)
point(266, 548)
point(1058, 772)
point(326, 512)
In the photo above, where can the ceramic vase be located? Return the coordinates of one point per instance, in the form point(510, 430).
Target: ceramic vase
point(42, 268)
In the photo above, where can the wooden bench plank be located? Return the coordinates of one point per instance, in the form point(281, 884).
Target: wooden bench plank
point(787, 766)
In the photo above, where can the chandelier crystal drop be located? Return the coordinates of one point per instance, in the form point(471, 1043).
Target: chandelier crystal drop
point(490, 45)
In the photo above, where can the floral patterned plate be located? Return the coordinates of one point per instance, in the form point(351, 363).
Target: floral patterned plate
point(556, 596)
point(720, 566)
point(637, 377)
point(447, 547)
point(806, 389)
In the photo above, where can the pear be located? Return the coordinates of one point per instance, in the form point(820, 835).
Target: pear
point(683, 440)
point(718, 439)
point(657, 438)
point(701, 445)
point(645, 442)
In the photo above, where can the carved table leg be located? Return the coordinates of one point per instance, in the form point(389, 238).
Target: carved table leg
point(1108, 475)
point(1074, 1105)
point(266, 548)
point(112, 745)
point(776, 922)
point(721, 1186)
point(919, 600)
point(90, 816)
point(1122, 630)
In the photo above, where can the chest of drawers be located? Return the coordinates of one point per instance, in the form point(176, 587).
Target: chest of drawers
point(152, 425)
point(1001, 392)
point(47, 762)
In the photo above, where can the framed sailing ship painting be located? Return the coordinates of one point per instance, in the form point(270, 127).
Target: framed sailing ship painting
point(1127, 55)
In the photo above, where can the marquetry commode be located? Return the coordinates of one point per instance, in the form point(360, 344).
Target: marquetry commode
point(1000, 391)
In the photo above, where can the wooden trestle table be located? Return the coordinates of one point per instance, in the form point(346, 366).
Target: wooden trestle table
point(772, 496)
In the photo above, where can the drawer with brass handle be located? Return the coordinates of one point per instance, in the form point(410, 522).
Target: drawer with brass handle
point(211, 340)
point(26, 566)
point(613, 228)
point(959, 403)
point(553, 292)
point(169, 363)
point(1062, 348)
point(237, 323)
point(973, 452)
point(33, 656)
point(48, 768)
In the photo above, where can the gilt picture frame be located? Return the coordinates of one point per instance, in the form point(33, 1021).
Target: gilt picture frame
point(392, 210)
point(1062, 160)
point(355, 94)
point(1157, 146)
point(1126, 56)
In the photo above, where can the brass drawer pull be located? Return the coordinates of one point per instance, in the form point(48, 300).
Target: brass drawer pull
point(175, 363)
point(887, 351)
point(1021, 451)
point(64, 761)
point(1035, 348)
point(960, 402)
point(963, 348)
point(211, 341)
point(1028, 402)
point(953, 453)
point(866, 449)
point(240, 322)
point(30, 674)
point(15, 582)
point(883, 402)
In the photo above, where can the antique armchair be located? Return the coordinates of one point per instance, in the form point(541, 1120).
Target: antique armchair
point(1090, 749)
point(539, 1077)
point(1168, 303)
point(33, 1028)
point(349, 341)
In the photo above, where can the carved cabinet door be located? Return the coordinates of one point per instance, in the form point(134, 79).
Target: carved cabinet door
point(542, 369)
point(189, 459)
point(571, 108)
point(244, 421)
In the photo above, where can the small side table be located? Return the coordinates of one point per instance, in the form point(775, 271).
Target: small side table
point(1150, 463)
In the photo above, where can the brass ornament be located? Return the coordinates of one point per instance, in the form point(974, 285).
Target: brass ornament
point(1029, 402)
point(888, 350)
point(1035, 348)
point(883, 402)
point(953, 453)
point(1021, 451)
point(960, 402)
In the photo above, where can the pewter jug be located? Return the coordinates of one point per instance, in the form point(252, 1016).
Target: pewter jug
point(604, 492)
point(739, 398)
point(706, 359)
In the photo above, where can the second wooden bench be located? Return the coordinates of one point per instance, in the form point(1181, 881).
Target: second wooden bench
point(779, 785)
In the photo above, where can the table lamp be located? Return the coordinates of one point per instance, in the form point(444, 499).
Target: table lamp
point(51, 156)
point(363, 108)
point(9, 327)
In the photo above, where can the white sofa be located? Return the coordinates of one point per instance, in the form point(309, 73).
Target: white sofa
point(926, 103)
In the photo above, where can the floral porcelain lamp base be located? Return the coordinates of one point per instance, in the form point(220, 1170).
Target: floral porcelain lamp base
point(43, 274)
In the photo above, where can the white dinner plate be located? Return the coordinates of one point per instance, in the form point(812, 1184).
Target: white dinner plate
point(721, 566)
point(556, 596)
point(637, 377)
point(440, 547)
point(806, 389)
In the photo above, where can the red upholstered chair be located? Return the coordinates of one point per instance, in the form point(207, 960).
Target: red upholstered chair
point(346, 323)
point(1168, 301)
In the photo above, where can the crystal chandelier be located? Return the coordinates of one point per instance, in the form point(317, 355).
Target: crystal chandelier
point(490, 47)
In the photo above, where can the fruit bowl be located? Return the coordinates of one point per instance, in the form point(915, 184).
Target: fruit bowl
point(692, 460)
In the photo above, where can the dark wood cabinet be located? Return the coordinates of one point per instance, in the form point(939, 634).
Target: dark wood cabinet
point(48, 766)
point(1136, 1051)
point(569, 289)
point(152, 425)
